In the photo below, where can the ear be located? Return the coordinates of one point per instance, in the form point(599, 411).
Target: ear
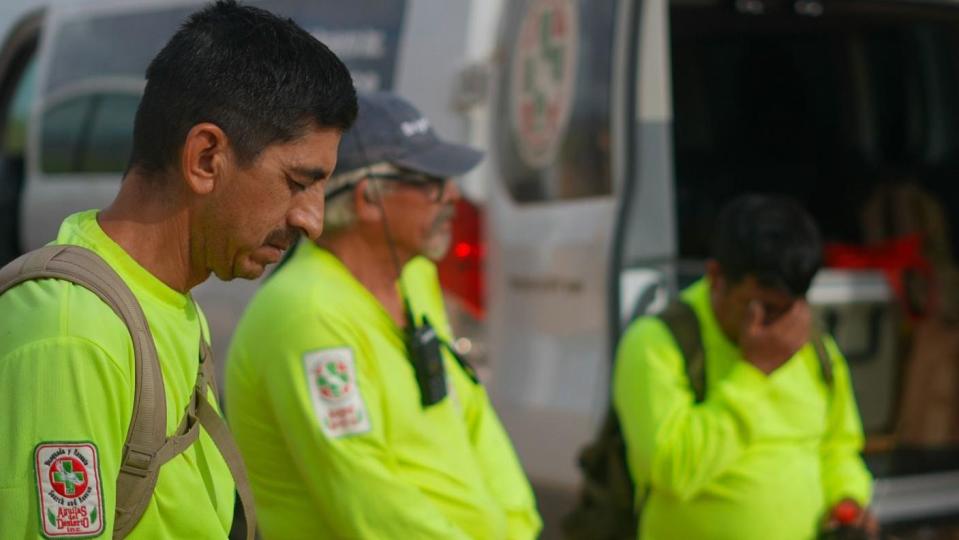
point(367, 201)
point(717, 282)
point(206, 155)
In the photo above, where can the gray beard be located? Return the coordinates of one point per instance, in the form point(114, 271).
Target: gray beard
point(437, 246)
point(439, 240)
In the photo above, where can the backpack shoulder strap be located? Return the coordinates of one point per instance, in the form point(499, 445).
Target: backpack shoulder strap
point(681, 320)
point(218, 431)
point(147, 432)
point(825, 362)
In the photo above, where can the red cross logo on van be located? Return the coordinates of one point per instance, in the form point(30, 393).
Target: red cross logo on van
point(543, 73)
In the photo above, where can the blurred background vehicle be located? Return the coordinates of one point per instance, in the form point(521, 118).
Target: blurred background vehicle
point(615, 129)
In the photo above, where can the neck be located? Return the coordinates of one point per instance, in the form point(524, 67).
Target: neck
point(152, 224)
point(371, 263)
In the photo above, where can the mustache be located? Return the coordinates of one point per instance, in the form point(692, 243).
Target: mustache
point(283, 238)
point(446, 213)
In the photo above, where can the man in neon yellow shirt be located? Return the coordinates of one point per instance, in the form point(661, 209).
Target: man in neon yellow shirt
point(228, 164)
point(346, 432)
point(773, 448)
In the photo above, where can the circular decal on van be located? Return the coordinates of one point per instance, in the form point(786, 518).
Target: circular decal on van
point(543, 79)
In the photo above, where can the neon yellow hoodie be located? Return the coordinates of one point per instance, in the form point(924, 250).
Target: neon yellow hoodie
point(325, 408)
point(66, 383)
point(762, 457)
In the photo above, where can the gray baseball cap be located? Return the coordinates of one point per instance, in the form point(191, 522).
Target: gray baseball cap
point(390, 129)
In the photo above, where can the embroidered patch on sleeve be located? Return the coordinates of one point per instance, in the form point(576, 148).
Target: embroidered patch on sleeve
point(68, 484)
point(339, 407)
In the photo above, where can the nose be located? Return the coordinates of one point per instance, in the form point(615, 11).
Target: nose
point(451, 193)
point(306, 214)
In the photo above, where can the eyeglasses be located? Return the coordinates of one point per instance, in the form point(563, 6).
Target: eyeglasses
point(434, 187)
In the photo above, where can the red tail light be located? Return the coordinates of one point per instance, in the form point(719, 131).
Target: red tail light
point(461, 271)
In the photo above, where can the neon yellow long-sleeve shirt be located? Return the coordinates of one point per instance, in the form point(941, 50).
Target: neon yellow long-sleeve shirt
point(67, 384)
point(761, 458)
point(325, 408)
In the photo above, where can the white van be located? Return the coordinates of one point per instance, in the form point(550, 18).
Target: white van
point(615, 130)
point(619, 128)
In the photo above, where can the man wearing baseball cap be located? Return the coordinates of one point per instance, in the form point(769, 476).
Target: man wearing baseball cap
point(354, 416)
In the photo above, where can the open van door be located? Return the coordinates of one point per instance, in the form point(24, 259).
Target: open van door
point(564, 144)
point(848, 107)
point(17, 82)
point(611, 167)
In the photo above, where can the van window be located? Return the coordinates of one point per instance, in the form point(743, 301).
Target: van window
point(91, 133)
point(553, 127)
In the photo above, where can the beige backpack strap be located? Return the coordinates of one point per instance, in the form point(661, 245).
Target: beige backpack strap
point(215, 427)
point(147, 432)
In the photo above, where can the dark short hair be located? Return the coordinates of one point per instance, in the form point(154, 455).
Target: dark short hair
point(261, 78)
point(771, 238)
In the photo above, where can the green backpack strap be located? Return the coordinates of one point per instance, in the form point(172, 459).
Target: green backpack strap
point(825, 363)
point(681, 320)
point(606, 509)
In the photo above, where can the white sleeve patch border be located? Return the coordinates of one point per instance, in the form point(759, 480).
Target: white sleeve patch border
point(68, 484)
point(331, 378)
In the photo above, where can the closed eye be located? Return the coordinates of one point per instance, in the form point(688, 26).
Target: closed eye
point(295, 186)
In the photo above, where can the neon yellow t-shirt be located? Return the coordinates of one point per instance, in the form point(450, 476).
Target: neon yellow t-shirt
point(325, 408)
point(762, 457)
point(66, 389)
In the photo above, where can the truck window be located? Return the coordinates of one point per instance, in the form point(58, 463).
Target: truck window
point(364, 33)
point(18, 112)
point(553, 130)
point(61, 134)
point(117, 45)
point(90, 133)
point(110, 140)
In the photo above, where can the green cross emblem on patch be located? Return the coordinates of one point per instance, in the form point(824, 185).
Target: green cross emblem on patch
point(333, 379)
point(69, 478)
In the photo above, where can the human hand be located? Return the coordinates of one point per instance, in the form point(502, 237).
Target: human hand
point(769, 345)
point(849, 515)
